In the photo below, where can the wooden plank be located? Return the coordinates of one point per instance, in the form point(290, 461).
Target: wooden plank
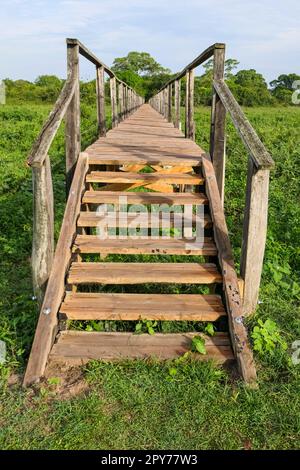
point(130, 307)
point(121, 102)
point(100, 90)
point(190, 108)
point(254, 234)
point(93, 244)
point(170, 102)
point(205, 55)
point(177, 104)
point(237, 328)
point(113, 101)
point(72, 118)
point(187, 93)
point(92, 219)
point(43, 228)
point(142, 273)
point(45, 138)
point(79, 347)
point(99, 197)
point(143, 178)
point(254, 145)
point(47, 323)
point(218, 122)
point(102, 159)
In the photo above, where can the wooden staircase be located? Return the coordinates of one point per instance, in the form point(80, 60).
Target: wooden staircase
point(99, 274)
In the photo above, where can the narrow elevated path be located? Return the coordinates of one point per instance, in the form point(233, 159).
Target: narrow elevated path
point(148, 161)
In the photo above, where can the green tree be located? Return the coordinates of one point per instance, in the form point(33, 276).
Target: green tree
point(140, 63)
point(250, 88)
point(282, 87)
point(284, 81)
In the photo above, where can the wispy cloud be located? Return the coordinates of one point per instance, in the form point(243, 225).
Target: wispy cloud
point(258, 33)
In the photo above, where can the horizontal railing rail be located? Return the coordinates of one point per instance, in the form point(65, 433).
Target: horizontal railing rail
point(124, 101)
point(259, 162)
point(255, 147)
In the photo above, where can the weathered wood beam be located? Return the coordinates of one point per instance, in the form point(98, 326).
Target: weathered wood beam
point(233, 300)
point(191, 123)
point(113, 100)
point(100, 90)
point(177, 104)
point(121, 101)
point(254, 234)
point(254, 145)
point(72, 118)
point(170, 90)
point(43, 228)
point(218, 121)
point(48, 321)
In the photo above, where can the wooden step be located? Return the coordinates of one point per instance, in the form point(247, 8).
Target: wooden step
point(100, 158)
point(79, 347)
point(141, 273)
point(113, 197)
point(172, 246)
point(171, 307)
point(143, 178)
point(144, 220)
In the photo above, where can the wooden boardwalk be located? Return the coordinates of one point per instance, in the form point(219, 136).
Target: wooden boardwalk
point(105, 269)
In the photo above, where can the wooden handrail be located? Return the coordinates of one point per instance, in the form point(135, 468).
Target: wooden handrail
point(67, 106)
point(200, 59)
point(85, 52)
point(257, 150)
point(42, 144)
point(259, 162)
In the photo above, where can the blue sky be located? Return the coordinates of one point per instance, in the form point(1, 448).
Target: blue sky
point(264, 34)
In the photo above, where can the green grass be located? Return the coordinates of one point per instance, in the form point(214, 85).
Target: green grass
point(137, 404)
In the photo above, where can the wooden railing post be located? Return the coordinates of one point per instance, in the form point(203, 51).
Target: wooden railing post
point(170, 90)
point(189, 105)
point(43, 228)
point(177, 104)
point(72, 117)
point(100, 89)
point(166, 101)
point(125, 102)
point(121, 101)
point(254, 234)
point(218, 118)
point(113, 100)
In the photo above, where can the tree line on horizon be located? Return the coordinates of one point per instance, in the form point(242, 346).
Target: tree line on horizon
point(143, 73)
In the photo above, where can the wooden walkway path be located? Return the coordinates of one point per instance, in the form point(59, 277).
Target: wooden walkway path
point(144, 162)
point(112, 167)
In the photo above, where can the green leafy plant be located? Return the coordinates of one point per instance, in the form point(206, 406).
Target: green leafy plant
point(146, 326)
point(54, 381)
point(266, 337)
point(198, 344)
point(210, 329)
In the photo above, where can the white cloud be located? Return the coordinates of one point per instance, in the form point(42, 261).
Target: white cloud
point(261, 34)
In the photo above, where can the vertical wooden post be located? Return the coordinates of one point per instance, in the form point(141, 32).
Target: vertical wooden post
point(129, 101)
point(100, 89)
point(72, 117)
point(191, 124)
point(43, 228)
point(166, 102)
point(218, 121)
point(113, 100)
point(170, 102)
point(177, 104)
point(254, 234)
point(187, 94)
point(121, 101)
point(126, 101)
